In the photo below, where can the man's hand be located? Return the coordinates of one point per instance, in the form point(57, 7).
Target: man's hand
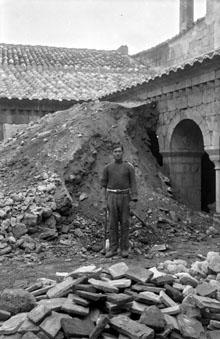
point(132, 205)
point(104, 206)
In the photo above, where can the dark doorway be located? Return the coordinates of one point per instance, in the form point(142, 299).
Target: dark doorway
point(154, 147)
point(207, 183)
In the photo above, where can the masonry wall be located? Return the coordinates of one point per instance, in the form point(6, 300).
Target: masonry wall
point(201, 38)
point(16, 114)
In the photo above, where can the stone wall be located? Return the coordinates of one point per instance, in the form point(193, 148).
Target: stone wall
point(15, 114)
point(202, 37)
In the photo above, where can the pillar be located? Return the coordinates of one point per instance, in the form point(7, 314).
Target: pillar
point(186, 16)
point(185, 174)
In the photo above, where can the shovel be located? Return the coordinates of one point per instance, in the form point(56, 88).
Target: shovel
point(133, 213)
point(105, 232)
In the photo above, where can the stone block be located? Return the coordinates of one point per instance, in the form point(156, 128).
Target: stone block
point(209, 303)
point(118, 270)
point(78, 300)
point(91, 296)
point(85, 287)
point(30, 335)
point(72, 308)
point(42, 291)
point(11, 325)
point(167, 300)
point(103, 286)
point(120, 283)
point(111, 307)
point(148, 298)
point(173, 293)
point(28, 326)
point(139, 274)
point(52, 324)
point(18, 230)
point(120, 298)
point(61, 289)
point(36, 286)
point(145, 288)
point(131, 328)
point(77, 328)
point(171, 321)
point(213, 334)
point(54, 304)
point(37, 314)
point(101, 324)
point(206, 290)
point(190, 328)
point(173, 310)
point(154, 318)
point(137, 308)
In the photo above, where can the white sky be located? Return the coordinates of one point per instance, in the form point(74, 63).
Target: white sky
point(98, 24)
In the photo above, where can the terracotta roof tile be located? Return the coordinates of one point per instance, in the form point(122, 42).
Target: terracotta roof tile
point(43, 72)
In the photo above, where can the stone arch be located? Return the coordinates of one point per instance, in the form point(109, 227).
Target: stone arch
point(165, 131)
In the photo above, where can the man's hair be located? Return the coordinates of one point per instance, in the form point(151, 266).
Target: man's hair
point(116, 145)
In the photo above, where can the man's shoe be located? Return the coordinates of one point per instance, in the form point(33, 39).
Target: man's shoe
point(110, 254)
point(124, 254)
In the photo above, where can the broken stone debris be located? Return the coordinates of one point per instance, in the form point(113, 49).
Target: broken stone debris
point(86, 303)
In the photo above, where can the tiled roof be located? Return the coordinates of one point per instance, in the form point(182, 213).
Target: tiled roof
point(42, 72)
point(167, 71)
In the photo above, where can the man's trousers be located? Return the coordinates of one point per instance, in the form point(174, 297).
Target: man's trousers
point(118, 205)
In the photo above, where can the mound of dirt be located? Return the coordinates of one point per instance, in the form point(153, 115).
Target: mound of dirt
point(50, 172)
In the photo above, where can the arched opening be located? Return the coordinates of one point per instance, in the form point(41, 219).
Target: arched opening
point(186, 151)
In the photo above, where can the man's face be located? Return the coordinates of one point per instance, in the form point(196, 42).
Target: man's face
point(117, 153)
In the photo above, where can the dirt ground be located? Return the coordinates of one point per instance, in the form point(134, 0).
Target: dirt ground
point(14, 274)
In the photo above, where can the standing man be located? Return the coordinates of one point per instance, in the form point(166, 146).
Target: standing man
point(119, 195)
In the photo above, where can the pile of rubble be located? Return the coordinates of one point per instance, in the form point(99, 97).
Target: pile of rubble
point(118, 301)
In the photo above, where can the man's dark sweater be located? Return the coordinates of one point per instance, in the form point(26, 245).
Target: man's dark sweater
point(120, 175)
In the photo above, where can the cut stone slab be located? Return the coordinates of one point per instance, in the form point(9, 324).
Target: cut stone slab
point(84, 270)
point(102, 323)
point(137, 307)
point(4, 315)
point(144, 288)
point(42, 291)
point(154, 318)
point(28, 326)
point(61, 289)
point(17, 301)
point(120, 283)
point(118, 270)
point(171, 310)
point(205, 302)
point(11, 325)
point(156, 273)
point(139, 274)
point(167, 300)
point(173, 293)
point(213, 334)
point(131, 328)
point(76, 327)
point(189, 307)
point(37, 314)
point(215, 323)
point(91, 296)
point(190, 327)
point(120, 298)
point(53, 304)
point(35, 286)
point(103, 285)
point(171, 321)
point(30, 335)
point(148, 298)
point(206, 290)
point(163, 280)
point(85, 287)
point(78, 300)
point(72, 308)
point(52, 324)
point(117, 308)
